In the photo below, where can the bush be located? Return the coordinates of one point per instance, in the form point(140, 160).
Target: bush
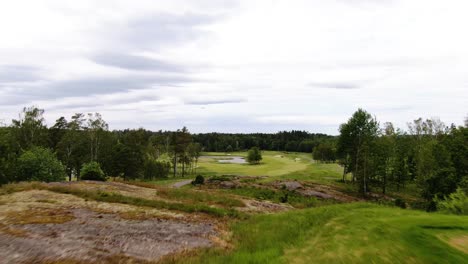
point(254, 156)
point(455, 203)
point(39, 164)
point(92, 171)
point(400, 203)
point(199, 180)
point(156, 169)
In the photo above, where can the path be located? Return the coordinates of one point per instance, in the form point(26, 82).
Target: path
point(181, 183)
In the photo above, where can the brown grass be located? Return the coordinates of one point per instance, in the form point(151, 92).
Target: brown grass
point(39, 216)
point(12, 231)
point(460, 243)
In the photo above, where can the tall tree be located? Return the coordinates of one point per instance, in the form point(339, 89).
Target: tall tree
point(95, 126)
point(356, 137)
point(30, 128)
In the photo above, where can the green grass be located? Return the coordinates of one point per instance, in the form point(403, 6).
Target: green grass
point(348, 233)
point(203, 196)
point(269, 166)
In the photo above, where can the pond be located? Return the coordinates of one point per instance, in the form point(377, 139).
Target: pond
point(227, 159)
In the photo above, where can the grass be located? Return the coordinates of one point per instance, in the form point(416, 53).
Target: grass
point(296, 200)
point(348, 233)
point(118, 198)
point(270, 165)
point(111, 197)
point(187, 195)
point(191, 195)
point(39, 216)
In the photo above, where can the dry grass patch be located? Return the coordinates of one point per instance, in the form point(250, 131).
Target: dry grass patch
point(39, 216)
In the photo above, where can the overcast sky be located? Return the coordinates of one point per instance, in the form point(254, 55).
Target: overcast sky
point(235, 66)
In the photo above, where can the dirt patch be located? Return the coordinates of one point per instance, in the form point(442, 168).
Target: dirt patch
point(255, 206)
point(460, 243)
point(181, 183)
point(314, 190)
point(93, 237)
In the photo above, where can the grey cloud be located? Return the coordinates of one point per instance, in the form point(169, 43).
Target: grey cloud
point(89, 87)
point(208, 101)
point(18, 73)
point(94, 86)
point(336, 85)
point(132, 62)
point(153, 32)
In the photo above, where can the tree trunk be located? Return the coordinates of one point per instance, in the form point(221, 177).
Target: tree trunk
point(175, 165)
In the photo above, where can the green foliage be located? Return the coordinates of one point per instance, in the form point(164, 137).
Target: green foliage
point(39, 164)
point(254, 156)
point(155, 169)
point(324, 152)
point(455, 203)
point(400, 203)
point(355, 141)
point(199, 180)
point(92, 171)
point(30, 129)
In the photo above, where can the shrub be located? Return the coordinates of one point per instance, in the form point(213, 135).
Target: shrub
point(455, 203)
point(92, 171)
point(39, 164)
point(199, 180)
point(254, 156)
point(400, 203)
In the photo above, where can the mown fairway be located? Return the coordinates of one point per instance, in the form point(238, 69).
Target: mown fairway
point(276, 165)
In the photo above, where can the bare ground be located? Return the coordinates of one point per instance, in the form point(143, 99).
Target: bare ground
point(42, 226)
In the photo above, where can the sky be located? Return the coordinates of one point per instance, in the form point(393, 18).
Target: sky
point(235, 66)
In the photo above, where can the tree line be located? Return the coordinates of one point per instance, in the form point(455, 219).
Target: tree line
point(429, 154)
point(29, 150)
point(292, 141)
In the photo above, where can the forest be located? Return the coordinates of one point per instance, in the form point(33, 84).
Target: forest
point(375, 157)
point(130, 153)
point(132, 196)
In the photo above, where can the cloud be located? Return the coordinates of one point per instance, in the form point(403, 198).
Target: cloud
point(133, 62)
point(213, 101)
point(336, 85)
point(108, 85)
point(152, 32)
point(18, 73)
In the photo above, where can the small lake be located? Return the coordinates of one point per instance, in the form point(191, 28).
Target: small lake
point(227, 159)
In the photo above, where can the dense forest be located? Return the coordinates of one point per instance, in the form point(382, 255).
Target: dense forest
point(374, 157)
point(295, 141)
point(430, 155)
point(27, 146)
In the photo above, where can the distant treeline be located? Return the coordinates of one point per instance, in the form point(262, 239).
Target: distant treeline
point(294, 141)
point(29, 150)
